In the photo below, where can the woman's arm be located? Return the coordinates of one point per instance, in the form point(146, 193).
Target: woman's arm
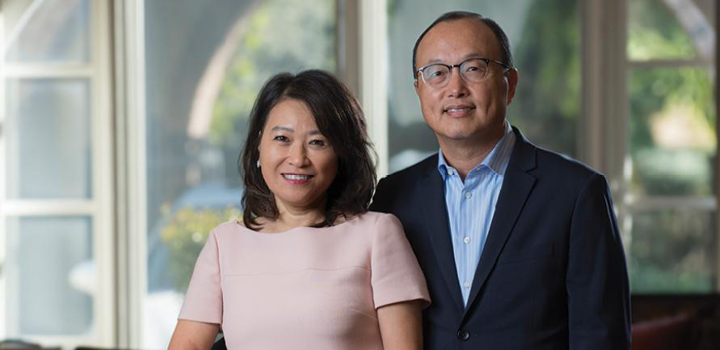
point(401, 325)
point(191, 335)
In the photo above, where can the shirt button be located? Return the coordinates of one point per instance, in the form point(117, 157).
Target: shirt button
point(468, 195)
point(466, 240)
point(467, 285)
point(450, 172)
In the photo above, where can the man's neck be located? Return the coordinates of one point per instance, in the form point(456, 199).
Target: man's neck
point(464, 155)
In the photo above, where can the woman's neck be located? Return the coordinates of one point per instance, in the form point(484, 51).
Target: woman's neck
point(290, 217)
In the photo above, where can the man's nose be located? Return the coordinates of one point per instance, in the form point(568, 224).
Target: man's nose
point(456, 86)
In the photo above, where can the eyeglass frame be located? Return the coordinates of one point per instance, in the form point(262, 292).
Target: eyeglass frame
point(506, 68)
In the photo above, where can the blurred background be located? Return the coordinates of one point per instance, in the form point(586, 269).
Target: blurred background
point(121, 123)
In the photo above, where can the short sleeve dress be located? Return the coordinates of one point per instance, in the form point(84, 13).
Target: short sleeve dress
point(310, 288)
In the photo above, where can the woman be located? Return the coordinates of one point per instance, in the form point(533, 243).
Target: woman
point(309, 267)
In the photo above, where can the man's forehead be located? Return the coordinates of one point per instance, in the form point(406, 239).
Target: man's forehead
point(470, 35)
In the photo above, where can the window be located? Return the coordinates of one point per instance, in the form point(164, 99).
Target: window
point(669, 184)
point(55, 182)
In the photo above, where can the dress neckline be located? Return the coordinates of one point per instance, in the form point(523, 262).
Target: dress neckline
point(300, 228)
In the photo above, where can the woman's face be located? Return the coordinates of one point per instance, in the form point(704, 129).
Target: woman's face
point(297, 162)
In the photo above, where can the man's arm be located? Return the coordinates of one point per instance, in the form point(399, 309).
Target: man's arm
point(597, 280)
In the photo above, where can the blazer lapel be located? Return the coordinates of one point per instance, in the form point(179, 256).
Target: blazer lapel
point(513, 195)
point(438, 229)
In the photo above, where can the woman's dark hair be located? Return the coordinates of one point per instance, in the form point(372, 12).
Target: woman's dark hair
point(340, 120)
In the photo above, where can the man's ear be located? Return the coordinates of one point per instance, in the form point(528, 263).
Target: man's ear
point(512, 78)
point(415, 84)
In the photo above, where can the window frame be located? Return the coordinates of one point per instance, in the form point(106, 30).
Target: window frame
point(100, 206)
point(131, 164)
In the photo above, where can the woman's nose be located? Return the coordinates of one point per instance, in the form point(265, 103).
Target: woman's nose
point(298, 155)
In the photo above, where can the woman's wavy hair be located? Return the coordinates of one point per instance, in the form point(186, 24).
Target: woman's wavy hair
point(339, 118)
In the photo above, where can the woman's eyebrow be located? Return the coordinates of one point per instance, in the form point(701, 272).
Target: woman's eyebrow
point(283, 128)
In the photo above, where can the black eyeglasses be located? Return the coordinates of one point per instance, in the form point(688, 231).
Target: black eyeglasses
point(472, 69)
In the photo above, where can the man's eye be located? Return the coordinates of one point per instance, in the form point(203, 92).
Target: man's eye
point(435, 74)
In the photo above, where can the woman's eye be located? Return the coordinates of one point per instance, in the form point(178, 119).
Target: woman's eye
point(280, 138)
point(317, 142)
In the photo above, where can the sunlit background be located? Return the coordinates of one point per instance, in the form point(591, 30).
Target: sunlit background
point(121, 123)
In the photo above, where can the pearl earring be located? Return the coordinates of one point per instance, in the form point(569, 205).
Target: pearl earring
point(258, 163)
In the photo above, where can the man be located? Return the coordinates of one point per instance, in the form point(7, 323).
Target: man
point(519, 245)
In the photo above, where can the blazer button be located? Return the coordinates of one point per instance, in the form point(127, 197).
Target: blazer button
point(463, 335)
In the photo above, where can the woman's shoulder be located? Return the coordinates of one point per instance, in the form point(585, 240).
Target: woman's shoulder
point(364, 223)
point(374, 219)
point(382, 218)
point(230, 227)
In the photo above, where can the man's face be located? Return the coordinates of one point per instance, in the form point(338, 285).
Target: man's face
point(462, 110)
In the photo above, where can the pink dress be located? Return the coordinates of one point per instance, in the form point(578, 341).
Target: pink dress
point(306, 288)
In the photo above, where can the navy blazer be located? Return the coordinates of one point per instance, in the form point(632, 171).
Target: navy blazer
point(552, 274)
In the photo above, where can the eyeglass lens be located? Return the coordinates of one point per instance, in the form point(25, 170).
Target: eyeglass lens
point(439, 74)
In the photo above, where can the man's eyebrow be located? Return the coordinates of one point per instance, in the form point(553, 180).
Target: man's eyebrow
point(470, 55)
point(282, 128)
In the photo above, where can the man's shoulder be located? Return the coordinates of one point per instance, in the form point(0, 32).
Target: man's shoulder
point(561, 173)
point(395, 191)
point(562, 164)
point(543, 162)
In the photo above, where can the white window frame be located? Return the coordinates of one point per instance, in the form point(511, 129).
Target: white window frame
point(363, 67)
point(131, 165)
point(100, 207)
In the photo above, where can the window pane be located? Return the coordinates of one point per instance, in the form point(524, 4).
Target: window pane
point(672, 131)
point(51, 276)
point(47, 31)
point(660, 31)
point(202, 79)
point(545, 41)
point(673, 251)
point(48, 139)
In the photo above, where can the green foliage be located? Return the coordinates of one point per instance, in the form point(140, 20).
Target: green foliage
point(672, 251)
point(547, 102)
point(654, 33)
point(681, 98)
point(671, 172)
point(185, 235)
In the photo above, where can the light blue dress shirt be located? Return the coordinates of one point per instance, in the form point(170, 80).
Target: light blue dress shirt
point(471, 206)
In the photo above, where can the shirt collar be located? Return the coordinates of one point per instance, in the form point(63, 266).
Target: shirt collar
point(497, 160)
